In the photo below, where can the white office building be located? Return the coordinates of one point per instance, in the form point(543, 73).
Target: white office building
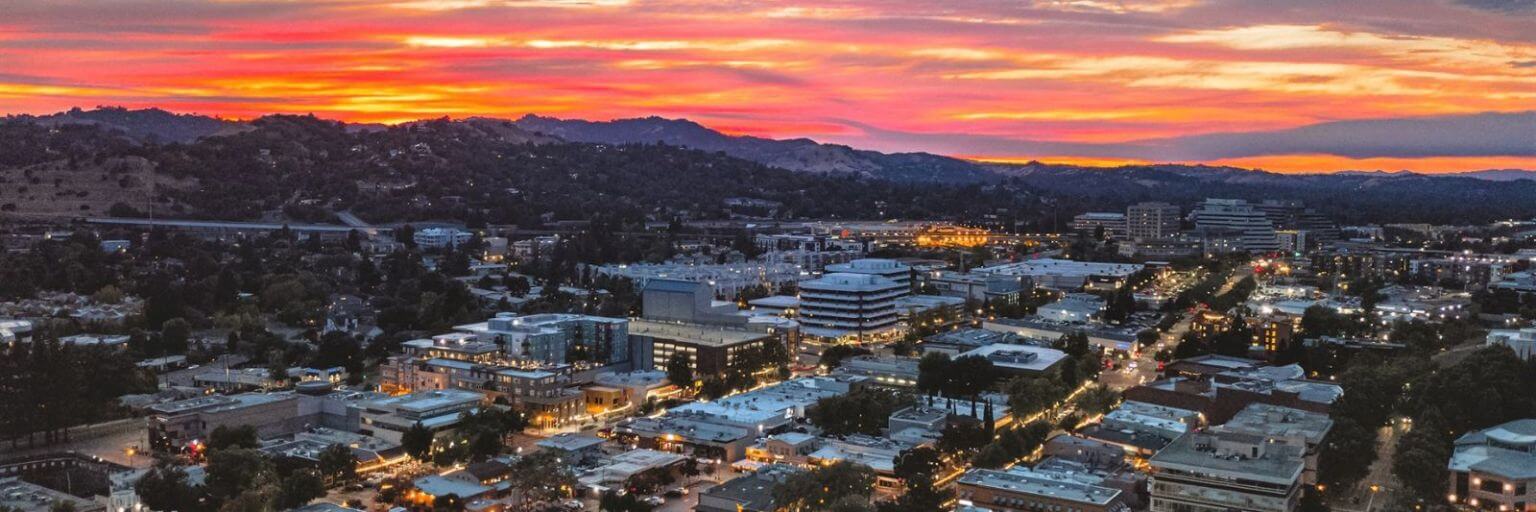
point(850, 307)
point(438, 238)
point(1256, 231)
point(1089, 223)
point(889, 269)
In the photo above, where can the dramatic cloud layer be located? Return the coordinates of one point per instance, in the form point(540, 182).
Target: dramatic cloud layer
point(1436, 85)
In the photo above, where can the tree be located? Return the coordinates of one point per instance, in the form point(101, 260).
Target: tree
point(543, 476)
point(165, 487)
point(299, 488)
point(1030, 395)
point(234, 470)
point(417, 442)
point(918, 469)
point(969, 376)
point(337, 463)
point(961, 436)
point(174, 334)
point(864, 411)
point(679, 371)
point(933, 373)
point(833, 356)
point(243, 436)
point(1346, 454)
point(818, 488)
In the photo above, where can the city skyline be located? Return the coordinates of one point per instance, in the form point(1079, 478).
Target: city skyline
point(1312, 86)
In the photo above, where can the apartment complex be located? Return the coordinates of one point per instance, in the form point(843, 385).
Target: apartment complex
point(556, 338)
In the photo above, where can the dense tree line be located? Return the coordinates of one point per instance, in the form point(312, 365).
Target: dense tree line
point(47, 387)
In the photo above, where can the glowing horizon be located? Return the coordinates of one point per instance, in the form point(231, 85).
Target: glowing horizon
point(1438, 86)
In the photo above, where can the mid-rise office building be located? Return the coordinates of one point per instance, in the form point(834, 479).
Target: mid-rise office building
point(889, 269)
point(856, 308)
point(1151, 221)
point(1295, 216)
point(1212, 471)
point(1284, 425)
point(1066, 274)
point(1112, 224)
point(1256, 232)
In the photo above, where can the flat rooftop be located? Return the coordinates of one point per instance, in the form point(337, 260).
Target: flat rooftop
point(696, 334)
point(1277, 421)
point(1202, 452)
point(1023, 480)
point(1020, 357)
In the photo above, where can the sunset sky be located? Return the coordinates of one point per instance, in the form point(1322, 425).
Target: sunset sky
point(1288, 85)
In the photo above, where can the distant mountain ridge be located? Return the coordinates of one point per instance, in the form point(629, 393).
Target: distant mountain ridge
point(425, 158)
point(146, 125)
point(1347, 195)
point(793, 154)
point(800, 154)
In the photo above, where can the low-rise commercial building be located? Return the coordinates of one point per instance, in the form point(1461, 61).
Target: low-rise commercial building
point(1020, 360)
point(1022, 489)
point(186, 423)
point(439, 411)
point(1495, 468)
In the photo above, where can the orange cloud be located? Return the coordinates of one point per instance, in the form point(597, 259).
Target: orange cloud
point(1085, 72)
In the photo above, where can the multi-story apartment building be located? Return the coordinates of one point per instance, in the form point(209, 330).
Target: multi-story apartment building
point(1151, 221)
point(1256, 230)
point(1495, 468)
point(556, 338)
point(1212, 471)
point(851, 307)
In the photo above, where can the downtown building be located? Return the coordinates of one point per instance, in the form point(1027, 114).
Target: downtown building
point(1213, 471)
point(1495, 468)
point(1112, 223)
point(681, 318)
point(1234, 219)
point(851, 308)
point(1151, 221)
